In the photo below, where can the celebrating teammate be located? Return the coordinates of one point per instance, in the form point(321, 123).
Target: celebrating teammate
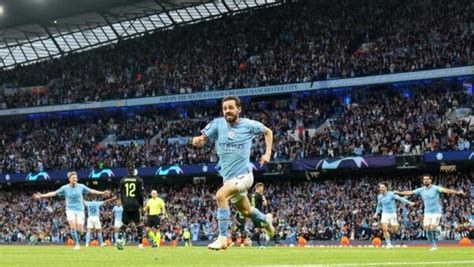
point(74, 203)
point(233, 137)
point(386, 205)
point(93, 220)
point(430, 195)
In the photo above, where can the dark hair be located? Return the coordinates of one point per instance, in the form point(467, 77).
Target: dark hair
point(426, 175)
point(131, 168)
point(384, 183)
point(232, 97)
point(258, 185)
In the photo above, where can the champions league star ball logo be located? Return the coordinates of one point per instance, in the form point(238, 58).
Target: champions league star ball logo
point(166, 171)
point(38, 176)
point(96, 175)
point(357, 161)
point(439, 156)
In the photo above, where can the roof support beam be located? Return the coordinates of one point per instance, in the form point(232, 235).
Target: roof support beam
point(53, 39)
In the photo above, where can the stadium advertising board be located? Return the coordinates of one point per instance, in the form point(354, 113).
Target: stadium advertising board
point(99, 174)
point(343, 163)
point(442, 156)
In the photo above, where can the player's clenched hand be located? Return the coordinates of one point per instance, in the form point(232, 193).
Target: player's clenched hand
point(37, 195)
point(265, 159)
point(199, 141)
point(460, 192)
point(412, 204)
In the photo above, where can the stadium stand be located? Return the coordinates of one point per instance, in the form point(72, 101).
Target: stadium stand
point(303, 41)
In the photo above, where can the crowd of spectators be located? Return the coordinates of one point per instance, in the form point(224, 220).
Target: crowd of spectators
point(296, 42)
point(376, 121)
point(321, 209)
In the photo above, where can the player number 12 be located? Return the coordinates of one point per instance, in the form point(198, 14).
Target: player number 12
point(130, 189)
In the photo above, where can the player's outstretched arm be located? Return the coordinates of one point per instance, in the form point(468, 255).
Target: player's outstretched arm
point(268, 135)
point(102, 193)
point(38, 195)
point(451, 191)
point(404, 200)
point(403, 193)
point(110, 199)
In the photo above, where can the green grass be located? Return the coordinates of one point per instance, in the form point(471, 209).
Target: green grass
point(236, 256)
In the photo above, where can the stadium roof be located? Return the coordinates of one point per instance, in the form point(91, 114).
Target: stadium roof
point(35, 30)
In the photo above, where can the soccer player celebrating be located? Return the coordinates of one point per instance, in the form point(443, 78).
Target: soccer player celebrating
point(154, 207)
point(430, 195)
point(233, 136)
point(117, 211)
point(93, 221)
point(74, 203)
point(386, 204)
point(131, 195)
point(258, 201)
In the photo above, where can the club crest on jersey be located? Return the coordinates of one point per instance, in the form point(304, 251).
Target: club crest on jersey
point(231, 135)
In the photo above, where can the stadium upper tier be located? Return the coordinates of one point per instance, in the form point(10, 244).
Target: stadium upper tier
point(407, 120)
point(294, 42)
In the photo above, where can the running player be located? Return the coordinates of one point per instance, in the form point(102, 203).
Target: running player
point(74, 203)
point(386, 205)
point(233, 137)
point(430, 195)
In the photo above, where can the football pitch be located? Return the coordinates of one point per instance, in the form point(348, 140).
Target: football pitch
point(235, 256)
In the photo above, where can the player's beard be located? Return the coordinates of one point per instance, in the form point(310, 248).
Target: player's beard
point(231, 118)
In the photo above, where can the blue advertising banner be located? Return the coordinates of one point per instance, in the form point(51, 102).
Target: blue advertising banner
point(343, 163)
point(118, 173)
point(442, 156)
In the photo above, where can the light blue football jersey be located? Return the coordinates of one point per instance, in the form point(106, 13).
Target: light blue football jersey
point(118, 212)
point(233, 144)
point(386, 202)
point(93, 208)
point(73, 195)
point(430, 198)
